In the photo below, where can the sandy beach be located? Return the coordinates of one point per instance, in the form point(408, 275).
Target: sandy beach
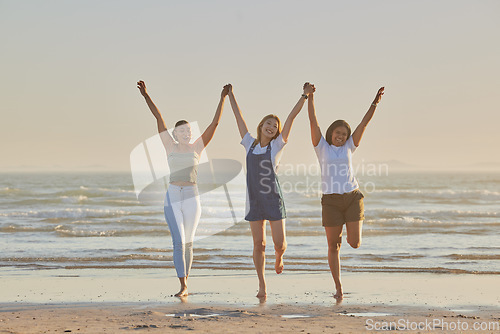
point(117, 301)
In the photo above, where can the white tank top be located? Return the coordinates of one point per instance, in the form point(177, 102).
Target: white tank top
point(183, 166)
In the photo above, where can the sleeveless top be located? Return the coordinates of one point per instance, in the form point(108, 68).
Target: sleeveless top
point(264, 197)
point(183, 166)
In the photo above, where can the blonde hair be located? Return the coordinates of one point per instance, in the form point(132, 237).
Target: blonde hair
point(259, 127)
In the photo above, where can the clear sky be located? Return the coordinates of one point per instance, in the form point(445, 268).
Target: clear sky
point(69, 69)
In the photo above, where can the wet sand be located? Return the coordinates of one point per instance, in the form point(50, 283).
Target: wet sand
point(117, 301)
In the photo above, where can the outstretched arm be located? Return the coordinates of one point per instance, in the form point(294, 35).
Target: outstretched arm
point(308, 89)
point(313, 121)
point(162, 129)
point(242, 126)
point(207, 136)
point(358, 133)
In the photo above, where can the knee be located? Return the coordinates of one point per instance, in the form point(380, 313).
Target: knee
point(259, 246)
point(355, 243)
point(334, 247)
point(280, 246)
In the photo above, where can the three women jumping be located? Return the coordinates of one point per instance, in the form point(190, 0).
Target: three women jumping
point(341, 201)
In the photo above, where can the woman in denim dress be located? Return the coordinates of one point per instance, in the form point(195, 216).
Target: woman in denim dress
point(264, 197)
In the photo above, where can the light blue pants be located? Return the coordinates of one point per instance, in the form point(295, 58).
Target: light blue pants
point(182, 213)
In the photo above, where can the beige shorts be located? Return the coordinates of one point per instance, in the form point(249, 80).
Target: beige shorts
point(338, 209)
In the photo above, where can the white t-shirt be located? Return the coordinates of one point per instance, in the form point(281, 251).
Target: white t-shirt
point(277, 146)
point(337, 173)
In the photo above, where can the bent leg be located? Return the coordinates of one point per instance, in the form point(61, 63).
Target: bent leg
point(334, 239)
point(279, 240)
point(354, 230)
point(259, 257)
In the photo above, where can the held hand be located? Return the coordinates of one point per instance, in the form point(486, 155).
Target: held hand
point(225, 91)
point(309, 88)
point(142, 88)
point(229, 88)
point(379, 95)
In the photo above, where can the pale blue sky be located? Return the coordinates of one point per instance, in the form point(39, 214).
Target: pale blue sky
point(69, 68)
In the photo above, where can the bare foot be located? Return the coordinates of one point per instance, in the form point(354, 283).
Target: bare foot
point(183, 292)
point(262, 300)
point(262, 290)
point(339, 294)
point(261, 294)
point(278, 266)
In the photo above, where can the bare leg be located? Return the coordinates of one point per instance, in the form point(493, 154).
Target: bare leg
point(354, 233)
point(259, 253)
point(334, 238)
point(279, 240)
point(184, 289)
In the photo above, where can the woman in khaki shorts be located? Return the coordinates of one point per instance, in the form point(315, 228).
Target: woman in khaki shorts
point(342, 202)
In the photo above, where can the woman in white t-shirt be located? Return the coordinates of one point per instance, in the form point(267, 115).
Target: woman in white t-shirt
point(264, 197)
point(341, 202)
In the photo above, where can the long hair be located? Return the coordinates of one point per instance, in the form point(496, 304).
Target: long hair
point(179, 123)
point(259, 127)
point(333, 126)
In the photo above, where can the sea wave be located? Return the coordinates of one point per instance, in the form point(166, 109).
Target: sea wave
point(74, 199)
point(434, 214)
point(19, 229)
point(76, 213)
point(433, 270)
point(6, 190)
point(440, 193)
point(140, 261)
point(474, 256)
point(67, 231)
point(443, 229)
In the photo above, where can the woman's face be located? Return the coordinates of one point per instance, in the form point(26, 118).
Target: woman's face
point(183, 133)
point(339, 136)
point(269, 128)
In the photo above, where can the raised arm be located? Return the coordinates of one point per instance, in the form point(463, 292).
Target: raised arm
point(358, 133)
point(242, 126)
point(162, 129)
point(313, 121)
point(208, 134)
point(308, 89)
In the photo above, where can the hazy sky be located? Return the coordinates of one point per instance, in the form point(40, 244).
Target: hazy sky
point(69, 69)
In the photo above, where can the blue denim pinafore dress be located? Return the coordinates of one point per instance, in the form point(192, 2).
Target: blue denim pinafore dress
point(264, 191)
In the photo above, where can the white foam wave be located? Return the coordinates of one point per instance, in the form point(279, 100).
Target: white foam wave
point(75, 213)
point(442, 193)
point(13, 228)
point(74, 199)
point(117, 190)
point(66, 231)
point(403, 220)
point(9, 189)
point(390, 213)
point(14, 191)
point(94, 192)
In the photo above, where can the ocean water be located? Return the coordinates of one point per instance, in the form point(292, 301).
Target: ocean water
point(435, 223)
